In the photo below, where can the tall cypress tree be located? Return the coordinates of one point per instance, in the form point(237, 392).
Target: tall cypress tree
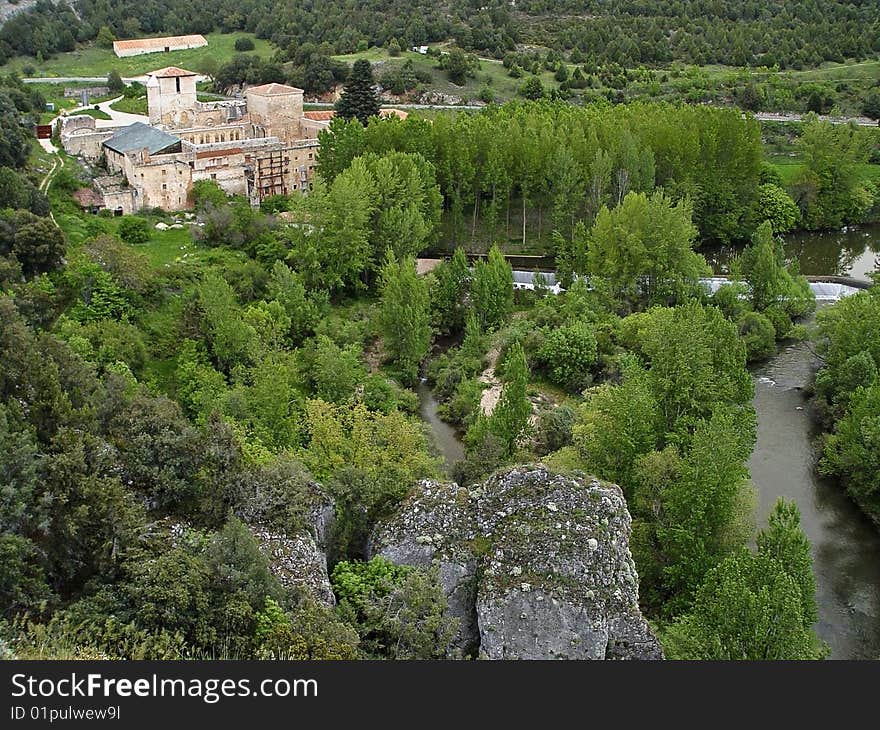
point(359, 99)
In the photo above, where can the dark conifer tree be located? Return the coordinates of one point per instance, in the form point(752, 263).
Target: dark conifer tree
point(359, 99)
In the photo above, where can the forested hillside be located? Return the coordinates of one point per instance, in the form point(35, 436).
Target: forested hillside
point(631, 32)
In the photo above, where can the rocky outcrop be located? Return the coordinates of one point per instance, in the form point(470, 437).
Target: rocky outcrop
point(534, 565)
point(298, 560)
point(297, 563)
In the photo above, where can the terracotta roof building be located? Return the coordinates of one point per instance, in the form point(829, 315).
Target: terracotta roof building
point(138, 47)
point(325, 115)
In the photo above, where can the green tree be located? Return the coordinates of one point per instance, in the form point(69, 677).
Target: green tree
point(644, 248)
point(134, 230)
point(458, 66)
point(755, 606)
point(231, 340)
point(763, 267)
point(696, 362)
point(831, 190)
point(115, 82)
point(532, 88)
point(405, 315)
point(105, 37)
point(871, 105)
point(399, 611)
point(492, 289)
point(568, 355)
point(510, 418)
point(616, 425)
point(448, 289)
point(359, 99)
point(853, 450)
point(777, 206)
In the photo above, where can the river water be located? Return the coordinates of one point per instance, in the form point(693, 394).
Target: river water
point(445, 437)
point(846, 546)
point(854, 251)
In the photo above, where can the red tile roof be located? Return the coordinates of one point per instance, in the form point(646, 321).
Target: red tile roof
point(273, 90)
point(170, 72)
point(160, 44)
point(324, 115)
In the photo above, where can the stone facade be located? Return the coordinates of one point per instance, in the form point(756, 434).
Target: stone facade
point(257, 147)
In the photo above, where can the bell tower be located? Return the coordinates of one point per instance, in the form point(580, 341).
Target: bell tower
point(171, 97)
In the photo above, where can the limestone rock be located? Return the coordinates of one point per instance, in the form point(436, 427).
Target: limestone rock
point(535, 565)
point(297, 563)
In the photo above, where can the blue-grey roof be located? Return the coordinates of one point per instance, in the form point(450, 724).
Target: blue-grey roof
point(138, 136)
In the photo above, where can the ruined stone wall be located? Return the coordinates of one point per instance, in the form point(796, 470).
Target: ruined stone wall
point(161, 181)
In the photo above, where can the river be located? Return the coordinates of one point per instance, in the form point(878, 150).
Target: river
point(846, 546)
point(445, 437)
point(854, 251)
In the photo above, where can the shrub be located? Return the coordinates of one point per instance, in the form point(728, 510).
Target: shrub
point(568, 354)
point(244, 44)
point(758, 335)
point(134, 230)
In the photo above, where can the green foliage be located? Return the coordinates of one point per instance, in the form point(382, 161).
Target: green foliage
point(398, 611)
point(568, 355)
point(310, 631)
point(777, 207)
point(449, 286)
point(758, 335)
point(134, 230)
point(244, 44)
point(616, 425)
point(771, 281)
point(510, 418)
point(359, 99)
point(853, 450)
point(232, 340)
point(755, 606)
point(114, 81)
point(532, 88)
point(37, 244)
point(492, 289)
point(831, 191)
point(458, 65)
point(405, 316)
point(644, 248)
point(697, 362)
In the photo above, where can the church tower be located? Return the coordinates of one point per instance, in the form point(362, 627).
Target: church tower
point(171, 97)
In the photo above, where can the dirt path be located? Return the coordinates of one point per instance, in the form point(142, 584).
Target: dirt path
point(57, 164)
point(491, 395)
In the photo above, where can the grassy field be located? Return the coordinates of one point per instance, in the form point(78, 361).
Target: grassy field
point(91, 60)
point(790, 169)
point(131, 106)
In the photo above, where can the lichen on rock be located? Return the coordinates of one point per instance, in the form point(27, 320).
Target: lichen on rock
point(535, 565)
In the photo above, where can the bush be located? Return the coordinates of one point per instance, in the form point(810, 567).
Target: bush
point(568, 354)
point(554, 429)
point(758, 335)
point(134, 230)
point(244, 44)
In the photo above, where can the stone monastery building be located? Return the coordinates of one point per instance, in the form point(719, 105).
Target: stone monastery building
point(258, 146)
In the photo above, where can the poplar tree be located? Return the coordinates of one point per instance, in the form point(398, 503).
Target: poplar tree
point(510, 418)
point(405, 315)
point(492, 289)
